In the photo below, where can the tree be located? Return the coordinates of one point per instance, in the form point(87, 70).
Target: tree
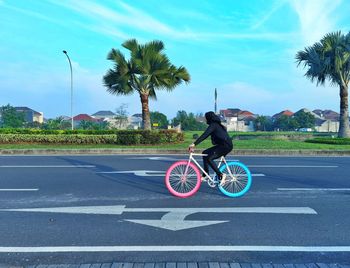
point(10, 118)
point(329, 59)
point(147, 70)
point(121, 115)
point(286, 123)
point(188, 121)
point(305, 120)
point(53, 123)
point(160, 119)
point(263, 123)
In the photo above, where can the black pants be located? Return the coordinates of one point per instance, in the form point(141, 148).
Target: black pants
point(214, 153)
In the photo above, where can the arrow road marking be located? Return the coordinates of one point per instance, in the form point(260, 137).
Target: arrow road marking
point(152, 173)
point(174, 219)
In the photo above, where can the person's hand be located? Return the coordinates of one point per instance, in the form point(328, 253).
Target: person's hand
point(191, 147)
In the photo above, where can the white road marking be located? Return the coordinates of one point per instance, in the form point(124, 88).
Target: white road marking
point(106, 210)
point(18, 190)
point(174, 225)
point(163, 158)
point(153, 173)
point(165, 248)
point(290, 166)
point(116, 210)
point(157, 158)
point(143, 173)
point(174, 219)
point(313, 189)
point(47, 166)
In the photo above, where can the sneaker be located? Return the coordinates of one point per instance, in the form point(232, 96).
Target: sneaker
point(223, 179)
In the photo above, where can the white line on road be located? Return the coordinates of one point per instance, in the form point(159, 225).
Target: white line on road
point(290, 166)
point(18, 190)
point(119, 209)
point(48, 166)
point(208, 248)
point(153, 173)
point(313, 189)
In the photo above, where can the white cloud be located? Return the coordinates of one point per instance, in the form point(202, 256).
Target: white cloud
point(276, 6)
point(124, 16)
point(316, 18)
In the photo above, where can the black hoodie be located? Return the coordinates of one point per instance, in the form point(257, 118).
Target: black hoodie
point(216, 130)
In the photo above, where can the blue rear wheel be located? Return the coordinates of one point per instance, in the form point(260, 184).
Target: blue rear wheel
point(238, 179)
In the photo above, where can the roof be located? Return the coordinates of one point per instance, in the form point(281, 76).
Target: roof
point(104, 113)
point(26, 109)
point(237, 113)
point(230, 112)
point(285, 112)
point(310, 112)
point(246, 113)
point(328, 114)
point(84, 117)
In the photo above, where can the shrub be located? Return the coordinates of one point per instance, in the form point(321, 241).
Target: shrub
point(336, 141)
point(121, 137)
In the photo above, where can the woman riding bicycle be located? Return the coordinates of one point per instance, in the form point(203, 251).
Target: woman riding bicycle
point(221, 141)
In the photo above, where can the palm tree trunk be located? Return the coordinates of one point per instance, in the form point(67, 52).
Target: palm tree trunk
point(344, 131)
point(146, 120)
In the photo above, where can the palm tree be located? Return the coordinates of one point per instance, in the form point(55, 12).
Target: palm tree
point(147, 70)
point(329, 59)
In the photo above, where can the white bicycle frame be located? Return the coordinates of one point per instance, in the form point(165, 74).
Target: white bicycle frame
point(191, 158)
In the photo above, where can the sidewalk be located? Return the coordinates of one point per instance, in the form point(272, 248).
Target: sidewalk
point(251, 152)
point(183, 265)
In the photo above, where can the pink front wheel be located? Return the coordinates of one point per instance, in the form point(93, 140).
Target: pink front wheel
point(183, 179)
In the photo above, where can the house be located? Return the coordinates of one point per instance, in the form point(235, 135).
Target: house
point(326, 125)
point(135, 121)
point(103, 115)
point(83, 117)
point(238, 120)
point(30, 115)
point(327, 121)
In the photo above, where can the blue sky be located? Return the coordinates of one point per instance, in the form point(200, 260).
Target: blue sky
point(245, 49)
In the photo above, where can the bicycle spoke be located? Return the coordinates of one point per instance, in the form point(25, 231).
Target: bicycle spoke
point(237, 179)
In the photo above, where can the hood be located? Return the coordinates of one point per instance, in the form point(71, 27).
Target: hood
point(212, 117)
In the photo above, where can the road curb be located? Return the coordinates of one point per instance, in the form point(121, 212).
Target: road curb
point(143, 151)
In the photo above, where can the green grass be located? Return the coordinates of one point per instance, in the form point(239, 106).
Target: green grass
point(238, 144)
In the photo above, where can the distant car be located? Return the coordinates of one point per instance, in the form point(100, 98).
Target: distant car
point(305, 129)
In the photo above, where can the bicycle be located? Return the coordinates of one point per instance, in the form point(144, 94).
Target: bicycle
point(183, 178)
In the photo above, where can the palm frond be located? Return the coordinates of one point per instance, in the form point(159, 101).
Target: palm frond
point(131, 45)
point(117, 84)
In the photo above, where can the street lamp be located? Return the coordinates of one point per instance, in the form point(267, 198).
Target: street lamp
point(71, 88)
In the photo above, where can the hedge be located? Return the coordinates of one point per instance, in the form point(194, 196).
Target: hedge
point(35, 131)
point(127, 137)
point(335, 141)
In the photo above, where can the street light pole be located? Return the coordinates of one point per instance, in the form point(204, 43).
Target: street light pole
point(71, 88)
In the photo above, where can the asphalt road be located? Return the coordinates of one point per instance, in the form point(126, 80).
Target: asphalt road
point(76, 209)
